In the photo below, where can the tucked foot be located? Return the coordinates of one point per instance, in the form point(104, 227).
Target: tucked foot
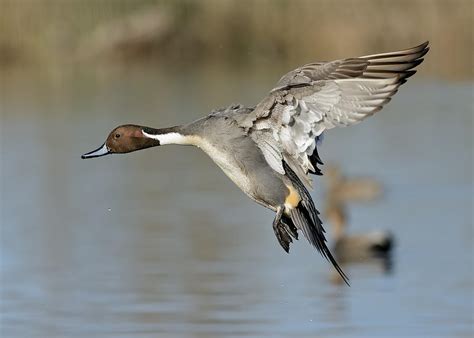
point(281, 232)
point(289, 227)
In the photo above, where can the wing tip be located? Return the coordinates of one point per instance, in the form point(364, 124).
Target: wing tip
point(400, 64)
point(422, 45)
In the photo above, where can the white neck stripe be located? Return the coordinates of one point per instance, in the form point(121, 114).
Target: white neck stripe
point(168, 138)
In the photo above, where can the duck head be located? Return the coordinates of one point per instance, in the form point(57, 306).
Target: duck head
point(125, 139)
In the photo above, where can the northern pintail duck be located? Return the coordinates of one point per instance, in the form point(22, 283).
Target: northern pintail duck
point(269, 151)
point(347, 247)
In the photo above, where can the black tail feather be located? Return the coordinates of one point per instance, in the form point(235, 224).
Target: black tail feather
point(315, 160)
point(305, 217)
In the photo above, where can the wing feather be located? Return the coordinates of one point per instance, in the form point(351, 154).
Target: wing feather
point(382, 65)
point(323, 95)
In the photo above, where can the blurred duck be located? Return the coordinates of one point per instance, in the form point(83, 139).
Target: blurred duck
point(355, 247)
point(269, 151)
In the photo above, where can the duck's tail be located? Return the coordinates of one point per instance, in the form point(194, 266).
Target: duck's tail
point(305, 217)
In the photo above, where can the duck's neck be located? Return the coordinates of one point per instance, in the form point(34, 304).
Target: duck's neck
point(173, 135)
point(338, 229)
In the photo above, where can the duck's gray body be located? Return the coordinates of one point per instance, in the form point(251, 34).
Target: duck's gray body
point(241, 149)
point(239, 156)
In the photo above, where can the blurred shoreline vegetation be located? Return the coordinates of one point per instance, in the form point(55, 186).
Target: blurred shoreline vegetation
point(233, 33)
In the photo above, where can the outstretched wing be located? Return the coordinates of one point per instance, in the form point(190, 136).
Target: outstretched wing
point(383, 65)
point(321, 96)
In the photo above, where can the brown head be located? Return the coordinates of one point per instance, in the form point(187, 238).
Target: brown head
point(124, 139)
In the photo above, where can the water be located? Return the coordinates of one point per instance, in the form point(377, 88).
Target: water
point(161, 243)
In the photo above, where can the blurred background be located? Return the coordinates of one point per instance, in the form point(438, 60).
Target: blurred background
point(160, 242)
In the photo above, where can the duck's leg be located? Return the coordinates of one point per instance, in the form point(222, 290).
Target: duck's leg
point(289, 226)
point(279, 228)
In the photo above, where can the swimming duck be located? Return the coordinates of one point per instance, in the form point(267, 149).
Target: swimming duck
point(269, 151)
point(349, 248)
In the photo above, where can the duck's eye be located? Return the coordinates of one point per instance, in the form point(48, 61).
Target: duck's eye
point(117, 135)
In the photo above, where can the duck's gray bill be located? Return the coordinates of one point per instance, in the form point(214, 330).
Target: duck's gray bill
point(101, 151)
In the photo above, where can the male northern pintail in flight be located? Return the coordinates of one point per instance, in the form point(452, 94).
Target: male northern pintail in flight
point(270, 150)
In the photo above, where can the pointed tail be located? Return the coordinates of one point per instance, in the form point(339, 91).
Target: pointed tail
point(305, 217)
